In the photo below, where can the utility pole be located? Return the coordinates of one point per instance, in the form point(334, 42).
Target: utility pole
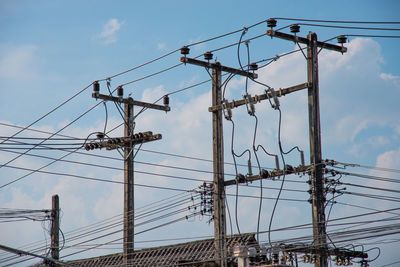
point(218, 169)
point(317, 183)
point(218, 151)
point(128, 188)
point(55, 229)
point(319, 247)
point(127, 142)
point(27, 253)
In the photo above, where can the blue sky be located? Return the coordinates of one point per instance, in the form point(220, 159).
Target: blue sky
point(50, 50)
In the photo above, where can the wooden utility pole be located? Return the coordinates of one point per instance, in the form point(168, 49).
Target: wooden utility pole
point(218, 169)
point(128, 188)
point(317, 183)
point(55, 229)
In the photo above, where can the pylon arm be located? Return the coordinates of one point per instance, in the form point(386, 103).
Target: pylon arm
point(264, 174)
point(258, 98)
point(114, 143)
point(338, 252)
point(213, 65)
point(129, 100)
point(303, 40)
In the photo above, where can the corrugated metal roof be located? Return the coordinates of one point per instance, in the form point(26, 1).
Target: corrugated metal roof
point(185, 254)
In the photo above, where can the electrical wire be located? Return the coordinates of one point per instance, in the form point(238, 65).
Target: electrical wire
point(140, 66)
point(349, 27)
point(361, 215)
point(369, 177)
point(121, 169)
point(282, 184)
point(133, 69)
point(339, 21)
point(63, 128)
point(48, 113)
point(369, 167)
point(102, 229)
point(391, 264)
point(176, 50)
point(283, 179)
point(372, 35)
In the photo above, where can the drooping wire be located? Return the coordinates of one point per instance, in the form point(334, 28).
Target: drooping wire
point(117, 105)
point(283, 177)
point(259, 171)
point(234, 156)
point(229, 214)
point(106, 120)
point(252, 113)
point(238, 47)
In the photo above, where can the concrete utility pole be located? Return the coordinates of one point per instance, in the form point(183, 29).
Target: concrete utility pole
point(55, 229)
point(127, 142)
point(27, 253)
point(319, 248)
point(218, 169)
point(128, 187)
point(317, 183)
point(218, 153)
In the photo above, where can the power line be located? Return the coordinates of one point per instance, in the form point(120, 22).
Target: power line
point(349, 27)
point(371, 187)
point(174, 51)
point(369, 167)
point(372, 35)
point(48, 113)
point(69, 124)
point(369, 177)
point(340, 21)
point(142, 149)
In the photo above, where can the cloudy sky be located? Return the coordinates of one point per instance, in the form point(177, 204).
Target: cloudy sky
point(52, 51)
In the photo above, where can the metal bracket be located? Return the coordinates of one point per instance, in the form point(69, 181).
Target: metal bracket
point(228, 113)
point(274, 96)
point(249, 104)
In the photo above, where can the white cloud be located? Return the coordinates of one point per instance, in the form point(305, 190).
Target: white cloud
point(286, 71)
point(161, 46)
point(110, 29)
point(377, 141)
point(187, 130)
point(347, 128)
point(150, 94)
point(389, 159)
point(359, 52)
point(389, 76)
point(18, 62)
point(397, 129)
